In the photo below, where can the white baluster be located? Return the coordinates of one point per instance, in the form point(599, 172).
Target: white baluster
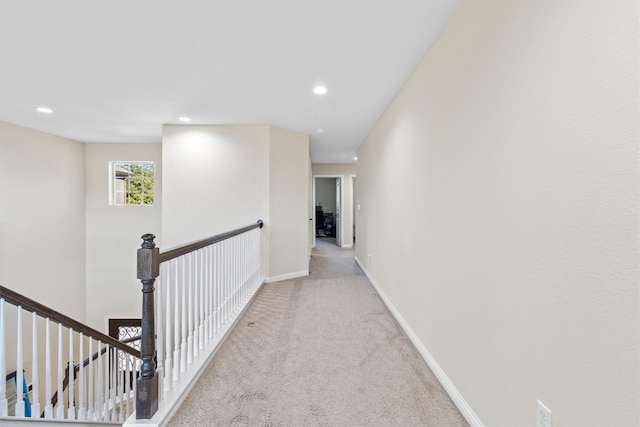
point(176, 322)
point(183, 317)
point(234, 275)
point(82, 412)
point(114, 385)
point(90, 407)
point(205, 299)
point(196, 303)
point(105, 383)
point(160, 336)
point(218, 266)
point(35, 405)
point(19, 374)
point(228, 275)
point(168, 364)
point(211, 306)
point(4, 404)
point(71, 414)
point(201, 301)
point(190, 311)
point(120, 379)
point(48, 407)
point(60, 403)
point(98, 412)
point(127, 379)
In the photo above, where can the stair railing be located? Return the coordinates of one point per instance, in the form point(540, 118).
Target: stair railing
point(192, 297)
point(89, 368)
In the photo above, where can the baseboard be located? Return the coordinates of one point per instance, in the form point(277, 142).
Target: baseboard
point(347, 246)
point(450, 388)
point(287, 276)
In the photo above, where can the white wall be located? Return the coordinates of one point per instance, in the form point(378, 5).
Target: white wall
point(217, 178)
point(113, 234)
point(42, 240)
point(289, 203)
point(499, 196)
point(344, 171)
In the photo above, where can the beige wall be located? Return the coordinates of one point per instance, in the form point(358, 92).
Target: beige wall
point(288, 203)
point(42, 240)
point(344, 171)
point(499, 196)
point(216, 178)
point(113, 233)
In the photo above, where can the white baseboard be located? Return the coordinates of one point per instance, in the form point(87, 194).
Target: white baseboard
point(287, 276)
point(450, 388)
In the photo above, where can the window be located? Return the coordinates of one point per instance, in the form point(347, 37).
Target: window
point(132, 183)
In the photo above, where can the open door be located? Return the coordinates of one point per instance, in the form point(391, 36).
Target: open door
point(338, 212)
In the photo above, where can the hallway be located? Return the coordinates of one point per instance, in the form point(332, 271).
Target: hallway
point(321, 350)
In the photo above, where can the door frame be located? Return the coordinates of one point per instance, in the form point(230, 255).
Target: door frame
point(353, 208)
point(341, 206)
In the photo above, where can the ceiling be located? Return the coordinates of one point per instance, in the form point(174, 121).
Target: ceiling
point(117, 71)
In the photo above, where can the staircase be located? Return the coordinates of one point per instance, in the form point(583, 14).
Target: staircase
point(192, 297)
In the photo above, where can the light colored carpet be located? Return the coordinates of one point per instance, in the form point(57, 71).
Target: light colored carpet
point(318, 351)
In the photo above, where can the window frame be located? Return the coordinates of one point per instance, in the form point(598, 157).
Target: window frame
point(117, 194)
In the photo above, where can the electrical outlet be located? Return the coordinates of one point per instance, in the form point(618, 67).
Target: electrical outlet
point(370, 258)
point(543, 416)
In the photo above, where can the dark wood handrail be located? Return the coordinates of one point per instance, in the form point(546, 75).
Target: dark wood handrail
point(172, 253)
point(30, 305)
point(148, 270)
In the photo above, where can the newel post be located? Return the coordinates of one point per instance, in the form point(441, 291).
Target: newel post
point(147, 383)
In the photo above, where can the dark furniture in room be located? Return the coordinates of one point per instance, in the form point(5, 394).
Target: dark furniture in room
point(325, 226)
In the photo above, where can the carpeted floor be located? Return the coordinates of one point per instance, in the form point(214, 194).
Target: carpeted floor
point(322, 350)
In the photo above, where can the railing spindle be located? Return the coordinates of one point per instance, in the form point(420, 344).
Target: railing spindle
point(190, 311)
point(48, 406)
point(71, 414)
point(35, 404)
point(19, 411)
point(90, 396)
point(82, 412)
point(127, 384)
point(60, 403)
point(99, 402)
point(183, 318)
point(176, 321)
point(168, 361)
point(4, 404)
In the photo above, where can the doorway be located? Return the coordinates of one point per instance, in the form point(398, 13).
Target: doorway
point(328, 212)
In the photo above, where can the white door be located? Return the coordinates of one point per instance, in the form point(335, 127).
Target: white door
point(338, 228)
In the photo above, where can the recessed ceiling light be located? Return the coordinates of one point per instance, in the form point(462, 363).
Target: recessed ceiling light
point(320, 130)
point(319, 90)
point(184, 119)
point(355, 158)
point(44, 110)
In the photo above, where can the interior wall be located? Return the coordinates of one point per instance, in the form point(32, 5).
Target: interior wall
point(499, 209)
point(288, 203)
point(217, 178)
point(326, 194)
point(345, 171)
point(42, 239)
point(113, 234)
